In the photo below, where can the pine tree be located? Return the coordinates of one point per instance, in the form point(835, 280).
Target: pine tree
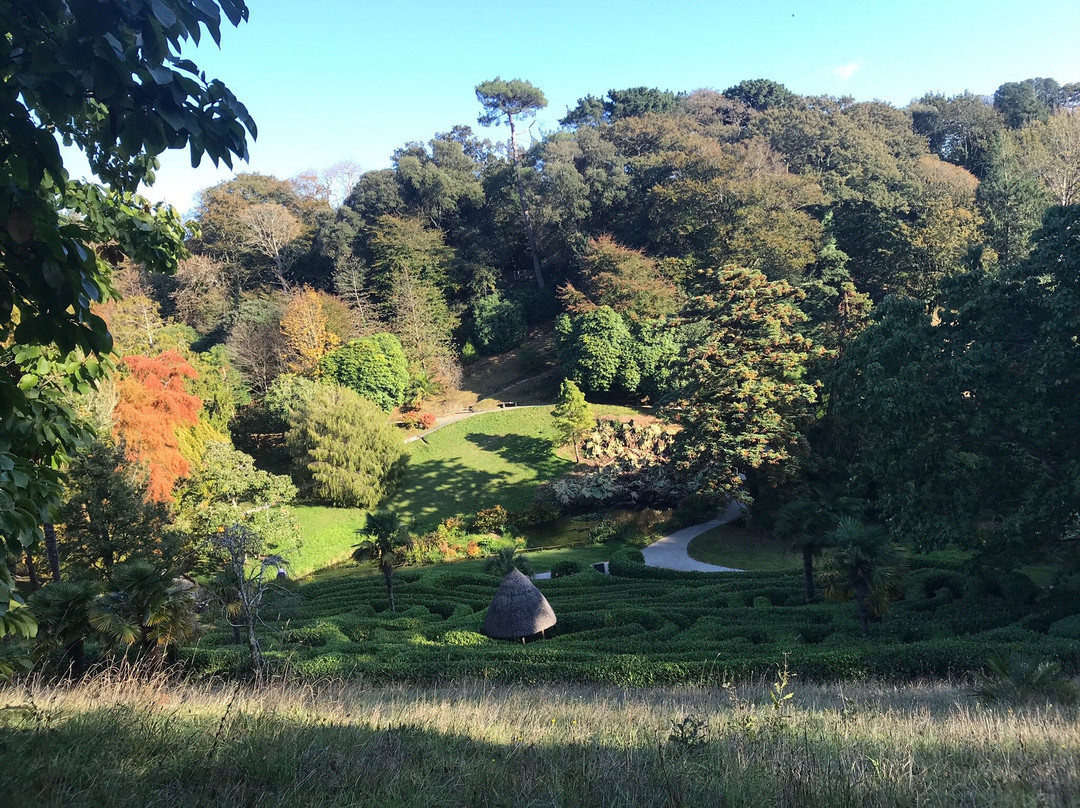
point(573, 417)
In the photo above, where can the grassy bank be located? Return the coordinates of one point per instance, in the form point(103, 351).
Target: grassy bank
point(734, 546)
point(133, 743)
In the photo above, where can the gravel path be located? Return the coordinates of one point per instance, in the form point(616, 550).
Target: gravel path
point(670, 551)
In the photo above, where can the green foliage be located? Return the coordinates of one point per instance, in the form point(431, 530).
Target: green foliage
point(864, 561)
point(745, 399)
point(490, 520)
point(595, 351)
point(761, 94)
point(572, 416)
point(112, 103)
point(107, 515)
point(512, 99)
point(1018, 680)
point(506, 561)
point(499, 324)
point(63, 612)
point(226, 490)
point(564, 569)
point(144, 605)
point(961, 424)
point(374, 366)
point(344, 449)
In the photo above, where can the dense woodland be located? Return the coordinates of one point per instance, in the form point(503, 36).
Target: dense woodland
point(867, 308)
point(836, 309)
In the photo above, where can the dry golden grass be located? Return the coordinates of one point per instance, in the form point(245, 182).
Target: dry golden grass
point(124, 741)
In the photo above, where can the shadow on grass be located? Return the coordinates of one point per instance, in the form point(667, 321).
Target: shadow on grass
point(154, 754)
point(536, 453)
point(435, 489)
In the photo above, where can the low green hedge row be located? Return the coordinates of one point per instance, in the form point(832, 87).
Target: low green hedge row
point(646, 626)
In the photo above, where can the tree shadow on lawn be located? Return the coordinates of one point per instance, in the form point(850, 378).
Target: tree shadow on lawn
point(533, 452)
point(437, 489)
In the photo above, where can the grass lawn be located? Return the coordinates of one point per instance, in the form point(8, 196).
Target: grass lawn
point(733, 546)
point(541, 560)
point(328, 534)
point(497, 458)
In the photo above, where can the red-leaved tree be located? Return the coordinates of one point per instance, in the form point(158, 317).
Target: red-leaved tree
point(152, 403)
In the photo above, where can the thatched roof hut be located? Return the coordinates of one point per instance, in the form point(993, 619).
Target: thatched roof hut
point(518, 609)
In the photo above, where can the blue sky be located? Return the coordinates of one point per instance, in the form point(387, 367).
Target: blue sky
point(332, 80)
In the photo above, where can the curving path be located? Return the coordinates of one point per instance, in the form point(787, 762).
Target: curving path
point(670, 551)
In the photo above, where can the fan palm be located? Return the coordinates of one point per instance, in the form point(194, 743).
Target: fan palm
point(864, 559)
point(380, 540)
point(63, 613)
point(147, 606)
point(506, 561)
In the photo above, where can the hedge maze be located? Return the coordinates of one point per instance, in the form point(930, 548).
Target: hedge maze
point(644, 626)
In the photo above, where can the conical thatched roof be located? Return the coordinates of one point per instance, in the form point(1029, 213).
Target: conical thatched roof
point(518, 609)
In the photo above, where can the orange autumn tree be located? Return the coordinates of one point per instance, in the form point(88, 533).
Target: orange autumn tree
point(152, 403)
point(306, 328)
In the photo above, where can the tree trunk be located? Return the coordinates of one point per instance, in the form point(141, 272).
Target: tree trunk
point(525, 206)
point(76, 655)
point(253, 647)
point(238, 638)
point(52, 551)
point(861, 593)
point(388, 574)
point(808, 571)
point(31, 571)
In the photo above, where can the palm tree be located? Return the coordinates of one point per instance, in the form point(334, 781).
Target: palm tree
point(380, 540)
point(506, 562)
point(865, 562)
point(148, 607)
point(63, 613)
point(806, 525)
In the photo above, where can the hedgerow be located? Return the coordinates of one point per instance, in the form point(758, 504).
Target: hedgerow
point(642, 626)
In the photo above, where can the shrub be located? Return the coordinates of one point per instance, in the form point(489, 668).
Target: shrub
point(536, 513)
point(490, 520)
point(604, 531)
point(696, 508)
point(933, 580)
point(464, 638)
point(1017, 587)
point(624, 560)
point(564, 569)
point(1021, 681)
point(1066, 627)
point(343, 448)
point(469, 353)
point(418, 420)
point(373, 366)
point(499, 324)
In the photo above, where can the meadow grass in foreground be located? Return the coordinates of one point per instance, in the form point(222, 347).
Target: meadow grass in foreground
point(126, 742)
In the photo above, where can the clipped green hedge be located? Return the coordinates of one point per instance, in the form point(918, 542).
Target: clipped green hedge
point(642, 626)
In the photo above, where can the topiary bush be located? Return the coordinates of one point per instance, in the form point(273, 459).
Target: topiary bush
point(564, 569)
